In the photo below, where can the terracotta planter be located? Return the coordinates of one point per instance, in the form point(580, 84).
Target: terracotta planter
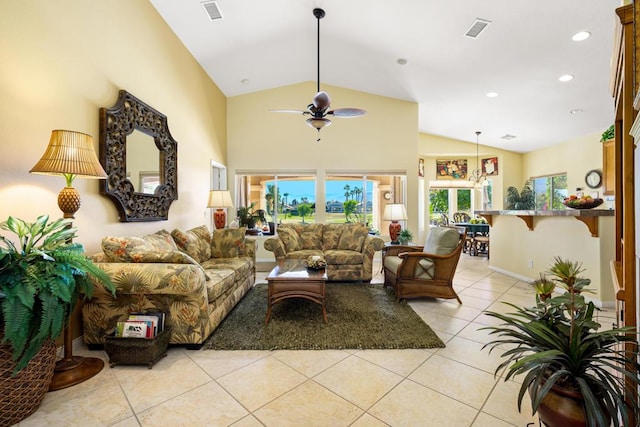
point(21, 395)
point(562, 407)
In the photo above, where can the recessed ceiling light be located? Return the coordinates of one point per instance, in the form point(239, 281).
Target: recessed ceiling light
point(508, 137)
point(492, 94)
point(582, 35)
point(402, 61)
point(566, 77)
point(576, 111)
point(244, 81)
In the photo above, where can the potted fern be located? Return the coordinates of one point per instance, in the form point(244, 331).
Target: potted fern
point(573, 370)
point(405, 236)
point(42, 275)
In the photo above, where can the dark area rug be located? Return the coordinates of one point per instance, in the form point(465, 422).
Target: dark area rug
point(360, 316)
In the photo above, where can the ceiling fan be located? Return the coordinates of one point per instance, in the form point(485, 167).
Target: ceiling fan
point(319, 107)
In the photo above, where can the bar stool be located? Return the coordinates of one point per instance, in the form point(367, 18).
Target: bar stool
point(481, 243)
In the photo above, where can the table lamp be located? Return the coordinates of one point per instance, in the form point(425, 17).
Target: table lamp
point(71, 155)
point(219, 199)
point(394, 212)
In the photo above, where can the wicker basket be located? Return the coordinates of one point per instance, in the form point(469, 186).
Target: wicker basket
point(136, 351)
point(21, 395)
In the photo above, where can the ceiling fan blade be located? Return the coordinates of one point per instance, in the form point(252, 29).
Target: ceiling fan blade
point(347, 112)
point(289, 111)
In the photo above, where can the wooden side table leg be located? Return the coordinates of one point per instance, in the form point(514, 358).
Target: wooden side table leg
point(268, 304)
point(324, 312)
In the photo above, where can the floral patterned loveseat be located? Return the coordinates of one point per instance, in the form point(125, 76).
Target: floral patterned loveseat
point(348, 249)
point(195, 276)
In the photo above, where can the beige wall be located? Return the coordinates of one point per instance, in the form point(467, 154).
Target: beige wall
point(433, 147)
point(61, 62)
point(575, 157)
point(385, 139)
point(513, 245)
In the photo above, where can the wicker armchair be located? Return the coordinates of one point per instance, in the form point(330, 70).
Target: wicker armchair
point(427, 271)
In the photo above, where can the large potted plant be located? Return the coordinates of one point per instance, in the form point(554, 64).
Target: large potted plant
point(248, 216)
point(42, 275)
point(574, 371)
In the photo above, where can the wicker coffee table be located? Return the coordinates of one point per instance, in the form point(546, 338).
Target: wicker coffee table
point(292, 279)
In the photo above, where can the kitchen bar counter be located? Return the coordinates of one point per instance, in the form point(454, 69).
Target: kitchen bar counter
point(588, 216)
point(524, 244)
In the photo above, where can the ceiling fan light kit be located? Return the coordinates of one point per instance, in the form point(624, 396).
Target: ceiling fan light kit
point(319, 108)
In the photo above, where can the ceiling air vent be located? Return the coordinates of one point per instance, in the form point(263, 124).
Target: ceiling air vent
point(477, 27)
point(212, 10)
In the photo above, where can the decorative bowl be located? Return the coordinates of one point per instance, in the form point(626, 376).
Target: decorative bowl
point(581, 204)
point(316, 262)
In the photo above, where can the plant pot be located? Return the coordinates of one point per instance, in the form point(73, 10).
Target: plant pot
point(562, 407)
point(22, 394)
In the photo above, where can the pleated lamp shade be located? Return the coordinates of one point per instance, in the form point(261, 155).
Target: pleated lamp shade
point(70, 153)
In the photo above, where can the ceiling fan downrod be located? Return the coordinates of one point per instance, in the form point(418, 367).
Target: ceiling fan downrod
point(319, 14)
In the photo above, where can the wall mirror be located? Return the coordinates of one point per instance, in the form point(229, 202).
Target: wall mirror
point(141, 160)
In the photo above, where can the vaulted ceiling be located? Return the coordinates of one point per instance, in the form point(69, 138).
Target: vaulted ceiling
point(520, 55)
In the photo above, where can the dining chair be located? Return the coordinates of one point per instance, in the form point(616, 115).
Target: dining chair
point(461, 217)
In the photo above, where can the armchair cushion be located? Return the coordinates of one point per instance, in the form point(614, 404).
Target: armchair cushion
point(441, 240)
point(195, 242)
point(228, 242)
point(130, 248)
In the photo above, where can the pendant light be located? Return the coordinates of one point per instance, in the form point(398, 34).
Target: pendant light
point(477, 176)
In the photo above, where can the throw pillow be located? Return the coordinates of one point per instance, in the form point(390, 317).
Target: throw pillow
point(227, 242)
point(290, 238)
point(310, 235)
point(195, 242)
point(121, 249)
point(331, 236)
point(353, 237)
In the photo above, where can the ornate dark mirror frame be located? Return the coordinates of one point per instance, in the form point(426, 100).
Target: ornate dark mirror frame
point(116, 123)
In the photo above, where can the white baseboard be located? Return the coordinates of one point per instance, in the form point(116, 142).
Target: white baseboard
point(598, 303)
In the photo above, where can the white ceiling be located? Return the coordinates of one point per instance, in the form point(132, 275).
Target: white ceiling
point(520, 55)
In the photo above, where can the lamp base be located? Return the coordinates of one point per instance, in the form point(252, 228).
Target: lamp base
point(74, 370)
point(69, 201)
point(219, 219)
point(394, 231)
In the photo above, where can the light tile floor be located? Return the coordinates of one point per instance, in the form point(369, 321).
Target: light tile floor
point(453, 386)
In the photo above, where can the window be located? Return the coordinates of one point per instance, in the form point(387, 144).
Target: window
point(347, 197)
point(362, 197)
point(284, 198)
point(549, 191)
point(444, 202)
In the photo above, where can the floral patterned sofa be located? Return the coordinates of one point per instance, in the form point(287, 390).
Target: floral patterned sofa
point(195, 276)
point(348, 249)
